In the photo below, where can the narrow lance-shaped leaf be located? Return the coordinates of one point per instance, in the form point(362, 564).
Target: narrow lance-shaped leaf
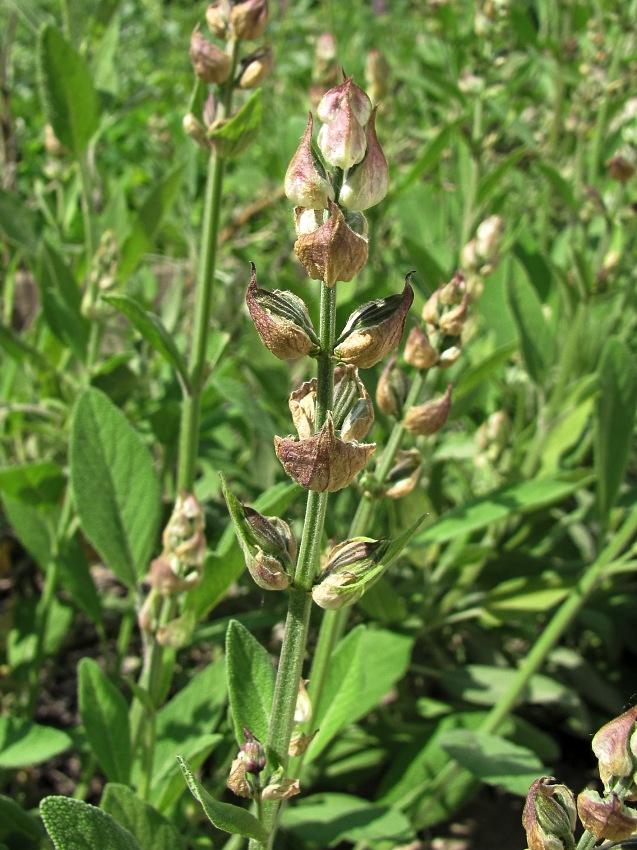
point(67, 91)
point(224, 816)
point(537, 344)
point(75, 825)
point(251, 678)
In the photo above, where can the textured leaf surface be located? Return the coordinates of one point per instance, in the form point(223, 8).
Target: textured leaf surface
point(146, 824)
point(23, 743)
point(105, 718)
point(114, 485)
point(251, 678)
point(74, 825)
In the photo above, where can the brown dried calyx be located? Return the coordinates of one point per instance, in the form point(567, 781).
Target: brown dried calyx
point(427, 418)
point(282, 321)
point(211, 64)
point(323, 462)
point(375, 329)
point(333, 251)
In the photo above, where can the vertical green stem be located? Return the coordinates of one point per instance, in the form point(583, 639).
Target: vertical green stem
point(298, 617)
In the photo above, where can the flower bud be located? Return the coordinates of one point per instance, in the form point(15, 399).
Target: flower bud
point(252, 753)
point(256, 68)
point(606, 817)
point(482, 254)
point(184, 534)
point(306, 183)
point(282, 321)
point(249, 19)
point(375, 329)
point(392, 389)
point(218, 18)
point(270, 534)
point(615, 746)
point(454, 291)
point(452, 321)
point(429, 417)
point(333, 251)
point(419, 352)
point(350, 568)
point(549, 816)
point(404, 475)
point(343, 142)
point(211, 64)
point(367, 183)
point(431, 310)
point(195, 130)
point(353, 411)
point(323, 462)
point(449, 356)
point(335, 100)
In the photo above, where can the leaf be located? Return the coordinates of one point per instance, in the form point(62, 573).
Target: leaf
point(152, 329)
point(429, 157)
point(493, 759)
point(559, 185)
point(251, 678)
point(614, 421)
point(105, 717)
point(185, 723)
point(69, 98)
point(36, 483)
point(23, 743)
point(75, 825)
point(353, 686)
point(500, 504)
point(19, 350)
point(18, 825)
point(148, 221)
point(236, 134)
point(325, 820)
point(536, 340)
point(151, 829)
point(115, 488)
point(493, 178)
point(61, 301)
point(18, 223)
point(224, 816)
point(76, 579)
point(524, 593)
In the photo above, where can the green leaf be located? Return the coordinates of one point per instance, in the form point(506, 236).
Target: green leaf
point(75, 825)
point(152, 329)
point(115, 488)
point(18, 223)
point(23, 743)
point(70, 101)
point(559, 185)
point(20, 828)
point(105, 717)
point(184, 724)
point(353, 688)
point(151, 829)
point(238, 132)
point(325, 820)
point(76, 579)
point(490, 182)
point(498, 505)
point(429, 157)
point(615, 420)
point(524, 593)
point(536, 340)
point(19, 350)
point(493, 759)
point(61, 301)
point(148, 221)
point(224, 816)
point(251, 678)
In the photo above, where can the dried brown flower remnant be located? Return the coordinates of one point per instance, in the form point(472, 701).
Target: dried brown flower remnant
point(606, 817)
point(333, 251)
point(306, 183)
point(375, 329)
point(323, 462)
point(249, 19)
point(392, 389)
point(615, 746)
point(549, 816)
point(352, 409)
point(211, 64)
point(419, 352)
point(427, 418)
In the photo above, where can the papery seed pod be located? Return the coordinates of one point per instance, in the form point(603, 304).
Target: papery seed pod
point(337, 592)
point(350, 568)
point(323, 462)
point(256, 68)
point(431, 310)
point(404, 475)
point(392, 389)
point(333, 251)
point(549, 816)
point(454, 291)
point(303, 708)
point(270, 534)
point(353, 411)
point(211, 64)
point(375, 329)
point(367, 184)
point(218, 18)
point(302, 404)
point(282, 790)
point(306, 183)
point(282, 321)
point(249, 19)
point(237, 781)
point(300, 743)
point(252, 753)
point(612, 746)
point(452, 321)
point(268, 572)
point(419, 352)
point(427, 418)
point(449, 356)
point(606, 817)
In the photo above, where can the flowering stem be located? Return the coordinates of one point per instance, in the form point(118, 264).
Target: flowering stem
point(299, 607)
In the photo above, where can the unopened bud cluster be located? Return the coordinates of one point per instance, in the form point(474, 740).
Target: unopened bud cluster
point(215, 62)
point(245, 774)
point(178, 569)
